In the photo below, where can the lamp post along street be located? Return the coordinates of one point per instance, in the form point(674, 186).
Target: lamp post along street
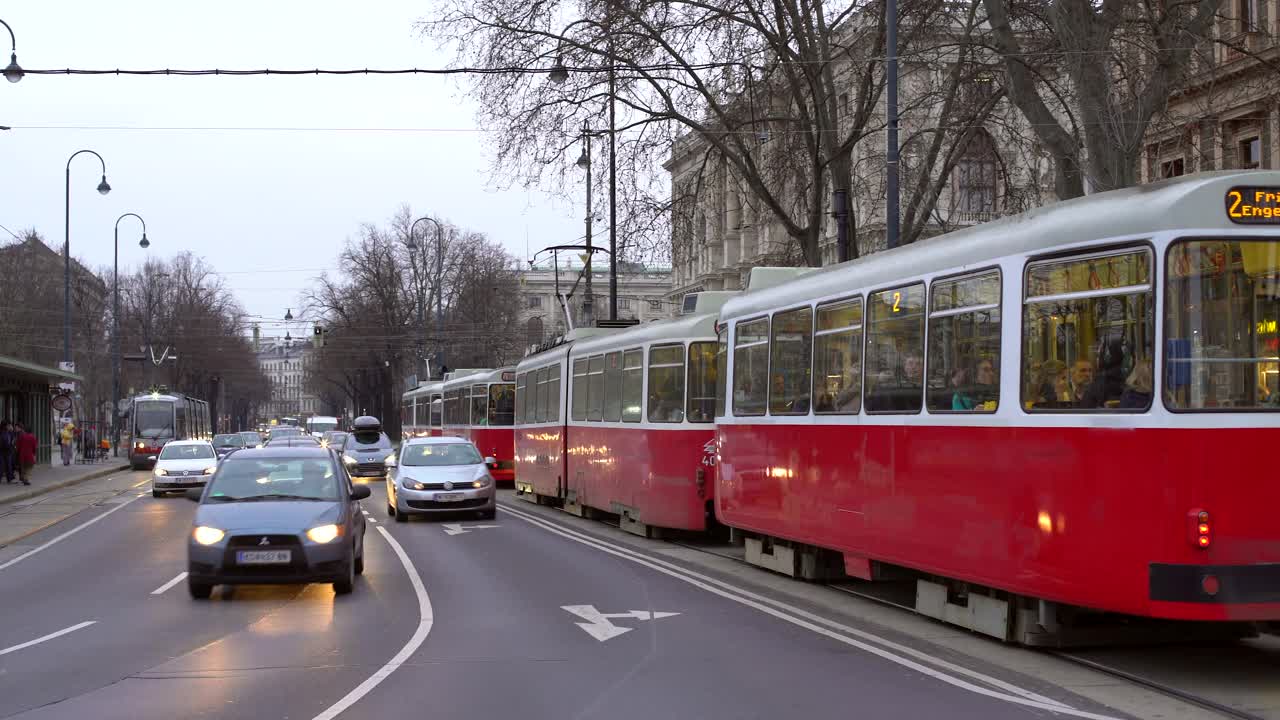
point(103, 188)
point(891, 137)
point(144, 243)
point(413, 245)
point(584, 161)
point(13, 72)
point(613, 180)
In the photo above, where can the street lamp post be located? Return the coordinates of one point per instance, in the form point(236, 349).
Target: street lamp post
point(13, 72)
point(584, 162)
point(103, 188)
point(144, 243)
point(413, 247)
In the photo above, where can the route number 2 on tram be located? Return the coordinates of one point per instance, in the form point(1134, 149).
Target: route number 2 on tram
point(1253, 205)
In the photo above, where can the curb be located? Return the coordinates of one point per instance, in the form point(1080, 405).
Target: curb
point(36, 492)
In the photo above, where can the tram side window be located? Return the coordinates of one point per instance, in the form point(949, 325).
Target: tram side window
point(522, 392)
point(722, 377)
point(437, 405)
point(180, 409)
point(448, 408)
point(613, 387)
point(479, 404)
point(837, 358)
point(578, 406)
point(553, 393)
point(542, 376)
point(750, 367)
point(595, 388)
point(633, 386)
point(501, 404)
point(964, 344)
point(791, 353)
point(666, 384)
point(703, 374)
point(1088, 332)
point(895, 350)
point(1222, 305)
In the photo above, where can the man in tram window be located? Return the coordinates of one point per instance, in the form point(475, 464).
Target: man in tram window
point(910, 383)
point(1081, 379)
point(1107, 385)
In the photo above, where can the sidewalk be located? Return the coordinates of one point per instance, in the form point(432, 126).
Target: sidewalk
point(47, 478)
point(55, 494)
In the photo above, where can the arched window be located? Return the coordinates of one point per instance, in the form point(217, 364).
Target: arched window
point(973, 182)
point(533, 334)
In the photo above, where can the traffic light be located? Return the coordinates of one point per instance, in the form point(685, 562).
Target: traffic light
point(317, 337)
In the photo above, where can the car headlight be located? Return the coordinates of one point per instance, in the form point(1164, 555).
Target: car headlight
point(414, 485)
point(206, 535)
point(139, 444)
point(324, 533)
point(348, 459)
point(161, 472)
point(210, 470)
point(482, 482)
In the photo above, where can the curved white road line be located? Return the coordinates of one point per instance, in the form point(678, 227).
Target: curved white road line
point(814, 623)
point(66, 534)
point(425, 620)
point(50, 636)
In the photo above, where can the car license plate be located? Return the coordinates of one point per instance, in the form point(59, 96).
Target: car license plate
point(264, 557)
point(448, 497)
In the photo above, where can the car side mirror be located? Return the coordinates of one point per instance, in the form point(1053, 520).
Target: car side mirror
point(193, 494)
point(360, 492)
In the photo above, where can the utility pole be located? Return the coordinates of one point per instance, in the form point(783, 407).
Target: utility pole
point(891, 149)
point(613, 178)
point(584, 161)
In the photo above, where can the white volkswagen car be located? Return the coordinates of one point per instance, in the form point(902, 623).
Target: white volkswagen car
point(183, 464)
point(439, 475)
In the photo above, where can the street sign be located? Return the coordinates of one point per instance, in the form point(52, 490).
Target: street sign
point(598, 625)
point(61, 403)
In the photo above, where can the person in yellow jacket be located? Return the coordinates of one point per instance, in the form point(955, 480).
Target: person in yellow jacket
point(68, 438)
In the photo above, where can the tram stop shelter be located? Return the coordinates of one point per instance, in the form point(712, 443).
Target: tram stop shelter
point(24, 398)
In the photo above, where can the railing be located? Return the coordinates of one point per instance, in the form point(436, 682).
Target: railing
point(973, 218)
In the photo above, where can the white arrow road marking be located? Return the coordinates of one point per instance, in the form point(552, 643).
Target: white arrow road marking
point(598, 625)
point(457, 529)
point(50, 636)
point(160, 590)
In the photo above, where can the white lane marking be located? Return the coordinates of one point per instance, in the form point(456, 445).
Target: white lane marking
point(597, 624)
point(457, 529)
point(65, 535)
point(372, 521)
point(425, 620)
point(814, 623)
point(160, 590)
point(366, 512)
point(50, 636)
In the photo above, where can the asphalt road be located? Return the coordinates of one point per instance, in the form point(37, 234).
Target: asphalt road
point(450, 620)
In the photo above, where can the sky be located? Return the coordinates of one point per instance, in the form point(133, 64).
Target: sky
point(269, 209)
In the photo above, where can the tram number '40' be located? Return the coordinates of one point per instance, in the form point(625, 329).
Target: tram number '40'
point(709, 453)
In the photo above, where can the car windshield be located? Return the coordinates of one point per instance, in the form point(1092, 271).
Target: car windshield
point(438, 454)
point(370, 438)
point(186, 452)
point(153, 418)
point(251, 438)
point(337, 440)
point(269, 478)
point(228, 441)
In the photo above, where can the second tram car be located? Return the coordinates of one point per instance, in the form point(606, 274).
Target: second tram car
point(1061, 411)
point(156, 418)
point(422, 411)
point(479, 405)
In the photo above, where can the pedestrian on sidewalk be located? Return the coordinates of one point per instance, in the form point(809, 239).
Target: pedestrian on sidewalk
point(8, 451)
point(27, 444)
point(68, 438)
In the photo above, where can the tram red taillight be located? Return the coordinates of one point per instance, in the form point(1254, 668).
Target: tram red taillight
point(1201, 529)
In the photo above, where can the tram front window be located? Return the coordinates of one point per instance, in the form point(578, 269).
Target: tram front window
point(502, 404)
point(1222, 307)
point(153, 419)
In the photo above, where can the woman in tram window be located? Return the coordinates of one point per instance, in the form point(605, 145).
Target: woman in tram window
point(1055, 385)
point(961, 399)
point(1138, 387)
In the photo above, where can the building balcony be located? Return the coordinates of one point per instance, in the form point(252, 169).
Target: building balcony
point(973, 217)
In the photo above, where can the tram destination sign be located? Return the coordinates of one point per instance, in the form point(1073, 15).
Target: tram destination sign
point(1253, 205)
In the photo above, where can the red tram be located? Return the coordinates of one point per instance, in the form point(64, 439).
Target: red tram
point(1102, 449)
point(479, 405)
point(422, 411)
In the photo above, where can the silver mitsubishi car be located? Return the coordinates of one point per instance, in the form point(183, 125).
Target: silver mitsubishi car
point(440, 475)
point(277, 515)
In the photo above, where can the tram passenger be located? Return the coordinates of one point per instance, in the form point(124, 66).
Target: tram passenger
point(1081, 379)
point(1138, 388)
point(1109, 382)
point(1053, 388)
point(961, 399)
point(981, 394)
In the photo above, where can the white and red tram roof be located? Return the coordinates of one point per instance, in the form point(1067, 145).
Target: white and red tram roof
point(425, 390)
point(467, 378)
point(1191, 204)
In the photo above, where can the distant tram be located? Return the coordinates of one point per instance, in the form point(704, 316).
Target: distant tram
point(479, 405)
point(156, 418)
point(422, 411)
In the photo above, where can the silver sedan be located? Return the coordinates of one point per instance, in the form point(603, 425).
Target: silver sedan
point(439, 475)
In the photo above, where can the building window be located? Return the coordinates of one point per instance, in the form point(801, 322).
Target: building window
point(974, 181)
point(1248, 12)
point(624, 303)
point(1250, 153)
point(535, 302)
point(655, 305)
point(1172, 168)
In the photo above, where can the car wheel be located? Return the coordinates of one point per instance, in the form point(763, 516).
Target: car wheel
point(401, 516)
point(199, 591)
point(360, 562)
point(347, 584)
point(391, 510)
point(157, 493)
point(488, 514)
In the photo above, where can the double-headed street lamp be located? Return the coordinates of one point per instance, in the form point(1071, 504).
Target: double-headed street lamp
point(103, 188)
point(13, 72)
point(144, 243)
point(413, 248)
